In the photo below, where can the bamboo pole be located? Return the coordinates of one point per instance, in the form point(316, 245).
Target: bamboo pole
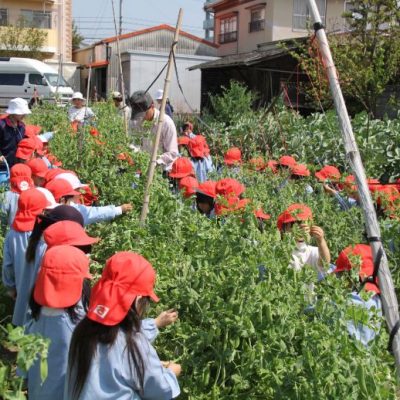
point(153, 163)
point(388, 296)
point(121, 75)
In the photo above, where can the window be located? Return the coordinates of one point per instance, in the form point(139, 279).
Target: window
point(12, 79)
point(3, 17)
point(35, 79)
point(228, 32)
point(37, 19)
point(257, 20)
point(301, 13)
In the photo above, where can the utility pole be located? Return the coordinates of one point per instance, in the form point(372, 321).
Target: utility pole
point(120, 17)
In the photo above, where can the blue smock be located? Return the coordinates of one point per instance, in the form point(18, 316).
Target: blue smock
point(202, 167)
point(18, 274)
point(92, 215)
point(111, 378)
point(9, 206)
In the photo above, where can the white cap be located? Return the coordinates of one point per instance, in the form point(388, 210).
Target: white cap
point(50, 198)
point(116, 95)
point(72, 179)
point(18, 106)
point(159, 94)
point(77, 96)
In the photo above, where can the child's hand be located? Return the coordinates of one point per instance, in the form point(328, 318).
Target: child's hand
point(126, 208)
point(176, 368)
point(329, 190)
point(166, 318)
point(317, 233)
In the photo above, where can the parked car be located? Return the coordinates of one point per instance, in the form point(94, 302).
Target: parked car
point(19, 77)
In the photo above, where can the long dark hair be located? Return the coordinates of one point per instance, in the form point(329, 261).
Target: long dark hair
point(89, 334)
point(72, 311)
point(43, 221)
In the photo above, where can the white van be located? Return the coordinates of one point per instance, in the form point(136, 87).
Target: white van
point(19, 77)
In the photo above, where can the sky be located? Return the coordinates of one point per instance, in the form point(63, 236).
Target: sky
point(94, 18)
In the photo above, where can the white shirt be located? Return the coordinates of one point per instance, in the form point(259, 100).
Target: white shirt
point(305, 254)
point(80, 114)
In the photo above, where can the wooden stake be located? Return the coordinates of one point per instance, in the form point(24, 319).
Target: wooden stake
point(153, 163)
point(388, 295)
point(121, 76)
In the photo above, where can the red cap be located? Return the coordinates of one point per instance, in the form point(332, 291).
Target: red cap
point(183, 140)
point(230, 205)
point(189, 186)
point(61, 188)
point(233, 156)
point(20, 178)
point(261, 214)
point(300, 170)
point(272, 165)
point(287, 161)
point(38, 145)
point(31, 203)
point(125, 276)
point(32, 130)
point(386, 197)
point(198, 147)
point(52, 173)
point(257, 164)
point(229, 187)
point(329, 172)
point(69, 233)
point(60, 279)
point(295, 212)
point(373, 184)
point(364, 251)
point(38, 167)
point(26, 148)
point(208, 188)
point(181, 167)
point(53, 160)
point(125, 157)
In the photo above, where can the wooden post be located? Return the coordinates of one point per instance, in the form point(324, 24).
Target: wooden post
point(388, 295)
point(153, 163)
point(121, 76)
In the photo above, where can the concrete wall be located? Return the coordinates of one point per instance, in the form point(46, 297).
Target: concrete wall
point(145, 66)
point(59, 38)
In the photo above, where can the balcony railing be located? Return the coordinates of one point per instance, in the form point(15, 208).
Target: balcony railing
point(228, 37)
point(256, 26)
point(208, 24)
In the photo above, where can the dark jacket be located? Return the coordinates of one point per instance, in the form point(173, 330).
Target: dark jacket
point(9, 139)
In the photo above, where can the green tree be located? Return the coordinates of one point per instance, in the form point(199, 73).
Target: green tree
point(367, 55)
point(77, 38)
point(20, 40)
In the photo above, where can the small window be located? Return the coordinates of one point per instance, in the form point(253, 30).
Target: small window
point(12, 79)
point(35, 79)
point(257, 20)
point(228, 32)
point(301, 13)
point(3, 17)
point(36, 19)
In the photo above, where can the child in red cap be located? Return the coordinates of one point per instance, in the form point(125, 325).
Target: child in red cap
point(205, 198)
point(39, 170)
point(364, 298)
point(200, 157)
point(59, 301)
point(111, 338)
point(233, 160)
point(19, 275)
point(20, 180)
point(304, 254)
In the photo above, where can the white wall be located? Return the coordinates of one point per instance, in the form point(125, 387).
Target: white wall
point(145, 66)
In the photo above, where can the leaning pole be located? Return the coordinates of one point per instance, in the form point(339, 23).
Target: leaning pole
point(388, 296)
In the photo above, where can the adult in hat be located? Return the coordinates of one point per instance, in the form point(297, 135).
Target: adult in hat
point(18, 275)
point(59, 301)
point(20, 180)
point(123, 109)
point(111, 338)
point(143, 109)
point(169, 110)
point(79, 113)
point(12, 129)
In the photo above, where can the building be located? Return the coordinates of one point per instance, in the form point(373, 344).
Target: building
point(143, 54)
point(250, 34)
point(54, 18)
point(208, 23)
